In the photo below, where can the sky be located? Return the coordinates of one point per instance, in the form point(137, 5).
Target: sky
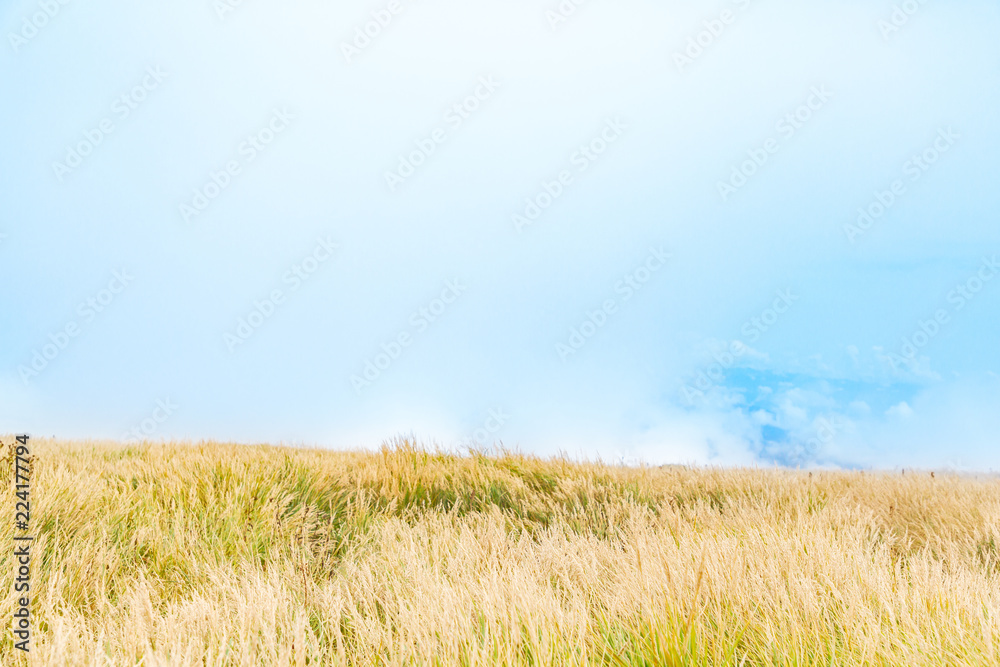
point(749, 232)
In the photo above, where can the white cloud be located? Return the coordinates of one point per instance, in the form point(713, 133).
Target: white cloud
point(901, 410)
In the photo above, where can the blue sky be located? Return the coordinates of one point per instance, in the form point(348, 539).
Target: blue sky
point(631, 230)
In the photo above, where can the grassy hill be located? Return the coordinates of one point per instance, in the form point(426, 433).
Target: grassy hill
point(213, 554)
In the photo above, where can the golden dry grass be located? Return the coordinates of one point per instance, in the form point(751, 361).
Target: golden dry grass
point(227, 555)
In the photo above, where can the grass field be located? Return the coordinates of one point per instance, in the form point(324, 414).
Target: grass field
point(226, 555)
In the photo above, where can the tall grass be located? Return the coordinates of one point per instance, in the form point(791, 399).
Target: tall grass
point(214, 554)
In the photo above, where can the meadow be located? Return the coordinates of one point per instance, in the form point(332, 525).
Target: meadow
point(216, 554)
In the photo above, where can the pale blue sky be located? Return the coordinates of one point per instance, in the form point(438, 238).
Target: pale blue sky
point(266, 91)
